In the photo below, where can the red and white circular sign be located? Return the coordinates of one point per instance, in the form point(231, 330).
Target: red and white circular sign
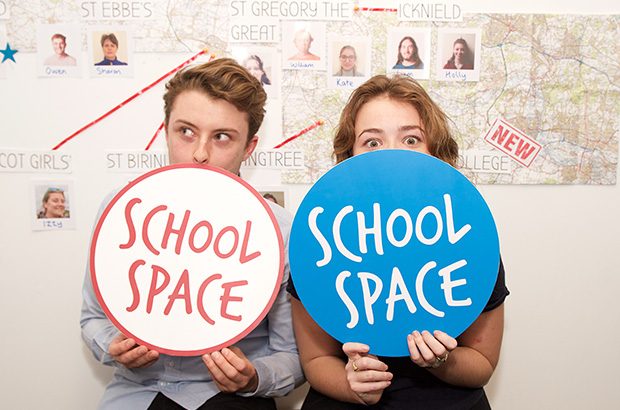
point(187, 259)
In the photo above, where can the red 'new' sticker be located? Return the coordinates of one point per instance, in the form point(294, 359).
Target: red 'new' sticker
point(513, 142)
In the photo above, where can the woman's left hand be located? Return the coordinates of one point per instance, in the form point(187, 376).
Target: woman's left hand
point(430, 350)
point(366, 374)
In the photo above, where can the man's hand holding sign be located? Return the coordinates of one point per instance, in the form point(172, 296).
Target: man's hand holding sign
point(131, 355)
point(399, 264)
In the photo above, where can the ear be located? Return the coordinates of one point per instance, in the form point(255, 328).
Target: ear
point(166, 135)
point(250, 147)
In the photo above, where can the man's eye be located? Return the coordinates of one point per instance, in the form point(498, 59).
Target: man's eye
point(187, 132)
point(222, 137)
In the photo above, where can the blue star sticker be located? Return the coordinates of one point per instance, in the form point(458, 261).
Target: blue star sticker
point(8, 53)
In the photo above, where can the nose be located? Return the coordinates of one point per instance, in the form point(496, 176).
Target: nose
point(391, 143)
point(201, 153)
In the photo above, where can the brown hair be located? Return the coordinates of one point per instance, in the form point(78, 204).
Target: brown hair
point(60, 36)
point(110, 37)
point(221, 79)
point(439, 139)
point(51, 191)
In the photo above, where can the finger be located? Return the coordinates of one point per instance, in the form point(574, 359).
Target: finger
point(355, 350)
point(147, 359)
point(370, 363)
point(448, 341)
point(119, 345)
point(240, 363)
point(427, 355)
point(236, 351)
point(438, 349)
point(131, 357)
point(371, 376)
point(370, 387)
point(414, 353)
point(225, 366)
point(119, 338)
point(419, 352)
point(216, 373)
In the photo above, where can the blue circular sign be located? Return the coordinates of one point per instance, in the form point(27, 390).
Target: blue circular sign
point(393, 241)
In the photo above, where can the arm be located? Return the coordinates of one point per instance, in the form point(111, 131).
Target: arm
point(327, 369)
point(280, 372)
point(106, 343)
point(472, 362)
point(97, 331)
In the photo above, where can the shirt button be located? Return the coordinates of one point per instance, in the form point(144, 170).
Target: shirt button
point(171, 363)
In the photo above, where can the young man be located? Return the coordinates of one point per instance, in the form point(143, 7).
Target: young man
point(212, 114)
point(60, 56)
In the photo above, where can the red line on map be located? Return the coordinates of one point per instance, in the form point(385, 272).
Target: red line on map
point(139, 93)
point(299, 134)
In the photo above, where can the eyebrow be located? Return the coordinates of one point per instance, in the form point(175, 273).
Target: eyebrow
point(400, 129)
point(184, 122)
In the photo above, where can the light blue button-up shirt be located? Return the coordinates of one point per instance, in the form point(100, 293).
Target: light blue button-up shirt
point(270, 347)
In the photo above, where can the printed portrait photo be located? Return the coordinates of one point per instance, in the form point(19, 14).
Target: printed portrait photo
point(277, 195)
point(303, 45)
point(51, 205)
point(349, 62)
point(111, 52)
point(59, 50)
point(263, 63)
point(458, 54)
point(408, 51)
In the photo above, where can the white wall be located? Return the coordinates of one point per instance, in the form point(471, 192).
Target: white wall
point(560, 247)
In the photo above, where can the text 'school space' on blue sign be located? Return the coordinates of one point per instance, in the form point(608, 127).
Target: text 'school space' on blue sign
point(390, 242)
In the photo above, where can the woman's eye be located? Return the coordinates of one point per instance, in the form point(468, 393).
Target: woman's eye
point(372, 143)
point(411, 140)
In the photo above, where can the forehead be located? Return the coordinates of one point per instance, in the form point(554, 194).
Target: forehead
point(56, 195)
point(204, 111)
point(385, 112)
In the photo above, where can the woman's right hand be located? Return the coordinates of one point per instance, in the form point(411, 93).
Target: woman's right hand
point(367, 375)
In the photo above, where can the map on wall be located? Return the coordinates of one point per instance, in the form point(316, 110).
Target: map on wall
point(555, 78)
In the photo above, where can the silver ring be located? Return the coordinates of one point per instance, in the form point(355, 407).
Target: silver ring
point(440, 360)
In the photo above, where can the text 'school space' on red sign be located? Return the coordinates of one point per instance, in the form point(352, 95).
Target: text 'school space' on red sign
point(513, 142)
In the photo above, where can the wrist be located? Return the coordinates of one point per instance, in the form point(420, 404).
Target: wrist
point(252, 384)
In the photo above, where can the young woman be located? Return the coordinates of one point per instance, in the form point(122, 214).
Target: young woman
point(254, 65)
point(53, 204)
point(462, 57)
point(441, 372)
